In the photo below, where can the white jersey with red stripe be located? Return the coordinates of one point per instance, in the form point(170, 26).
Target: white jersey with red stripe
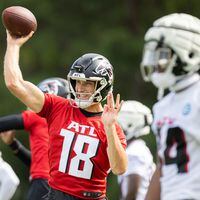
point(177, 128)
point(8, 180)
point(140, 162)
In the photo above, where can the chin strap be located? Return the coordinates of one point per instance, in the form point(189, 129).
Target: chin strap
point(160, 93)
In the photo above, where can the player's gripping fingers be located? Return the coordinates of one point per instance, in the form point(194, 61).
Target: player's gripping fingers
point(18, 40)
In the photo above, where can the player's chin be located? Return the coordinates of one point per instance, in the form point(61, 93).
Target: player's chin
point(83, 97)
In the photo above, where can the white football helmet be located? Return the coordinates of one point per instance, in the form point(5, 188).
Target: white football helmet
point(172, 50)
point(135, 119)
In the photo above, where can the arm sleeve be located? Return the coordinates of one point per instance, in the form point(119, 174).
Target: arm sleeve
point(11, 122)
point(21, 152)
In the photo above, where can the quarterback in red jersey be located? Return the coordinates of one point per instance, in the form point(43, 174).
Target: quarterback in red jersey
point(37, 128)
point(85, 140)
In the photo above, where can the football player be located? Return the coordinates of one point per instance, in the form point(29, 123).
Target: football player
point(38, 138)
point(171, 61)
point(85, 139)
point(135, 119)
point(8, 180)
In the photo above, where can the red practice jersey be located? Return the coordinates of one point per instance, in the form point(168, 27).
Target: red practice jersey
point(39, 144)
point(78, 149)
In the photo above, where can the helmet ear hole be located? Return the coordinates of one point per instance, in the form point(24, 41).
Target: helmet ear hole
point(129, 125)
point(191, 55)
point(178, 69)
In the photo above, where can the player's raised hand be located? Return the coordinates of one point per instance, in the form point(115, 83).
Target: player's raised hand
point(111, 110)
point(19, 41)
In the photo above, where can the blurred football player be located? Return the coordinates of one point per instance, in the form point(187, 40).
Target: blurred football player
point(37, 128)
point(8, 180)
point(135, 119)
point(86, 142)
point(171, 61)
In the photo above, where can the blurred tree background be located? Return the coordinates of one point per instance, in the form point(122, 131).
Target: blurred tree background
point(70, 28)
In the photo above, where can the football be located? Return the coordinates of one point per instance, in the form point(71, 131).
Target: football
point(19, 21)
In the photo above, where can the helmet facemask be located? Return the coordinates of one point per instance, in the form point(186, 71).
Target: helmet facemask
point(157, 65)
point(93, 97)
point(161, 66)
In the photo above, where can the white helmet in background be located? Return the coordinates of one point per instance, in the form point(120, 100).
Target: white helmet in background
point(135, 119)
point(171, 50)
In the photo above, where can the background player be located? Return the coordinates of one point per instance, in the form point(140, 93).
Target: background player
point(38, 138)
point(8, 180)
point(135, 119)
point(171, 60)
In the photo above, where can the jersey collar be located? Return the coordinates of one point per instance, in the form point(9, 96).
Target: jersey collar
point(90, 114)
point(185, 83)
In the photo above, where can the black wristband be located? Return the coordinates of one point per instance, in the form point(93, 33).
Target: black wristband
point(15, 145)
point(21, 152)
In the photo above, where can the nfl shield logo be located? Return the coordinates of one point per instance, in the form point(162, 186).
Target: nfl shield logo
point(187, 109)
